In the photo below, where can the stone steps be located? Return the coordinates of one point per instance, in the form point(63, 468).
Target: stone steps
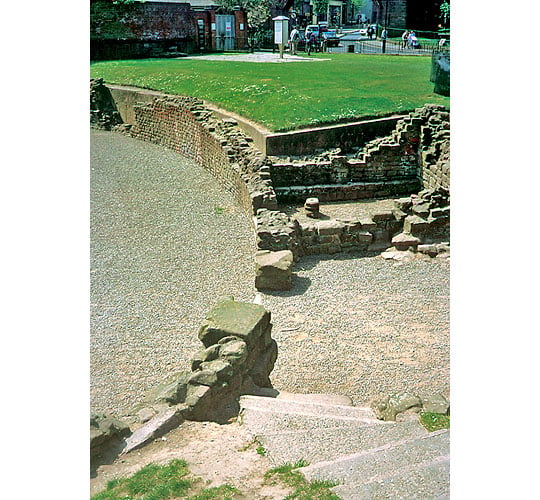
point(375, 464)
point(259, 422)
point(428, 480)
point(296, 406)
point(334, 442)
point(368, 458)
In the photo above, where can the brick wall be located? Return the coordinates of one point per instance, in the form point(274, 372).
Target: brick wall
point(174, 123)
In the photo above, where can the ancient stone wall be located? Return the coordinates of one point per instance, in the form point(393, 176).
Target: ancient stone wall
point(414, 156)
point(236, 357)
point(184, 125)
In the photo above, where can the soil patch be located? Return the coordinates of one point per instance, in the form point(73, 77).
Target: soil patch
point(219, 454)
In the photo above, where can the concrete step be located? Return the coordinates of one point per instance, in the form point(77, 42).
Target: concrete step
point(377, 463)
point(315, 445)
point(428, 480)
point(259, 422)
point(296, 406)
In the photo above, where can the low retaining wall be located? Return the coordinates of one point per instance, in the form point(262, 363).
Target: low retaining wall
point(345, 136)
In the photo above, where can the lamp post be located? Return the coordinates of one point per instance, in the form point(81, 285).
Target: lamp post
point(281, 32)
point(385, 28)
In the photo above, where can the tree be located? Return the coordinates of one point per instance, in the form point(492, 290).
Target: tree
point(445, 12)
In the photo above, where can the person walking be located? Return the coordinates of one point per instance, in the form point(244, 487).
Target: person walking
point(294, 38)
point(310, 41)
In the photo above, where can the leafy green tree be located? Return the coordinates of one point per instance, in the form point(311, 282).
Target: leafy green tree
point(445, 12)
point(320, 6)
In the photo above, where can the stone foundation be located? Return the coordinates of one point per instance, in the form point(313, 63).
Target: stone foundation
point(414, 156)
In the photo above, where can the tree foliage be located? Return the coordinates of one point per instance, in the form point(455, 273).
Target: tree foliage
point(320, 6)
point(258, 11)
point(445, 12)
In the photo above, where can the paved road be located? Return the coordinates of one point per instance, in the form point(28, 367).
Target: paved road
point(166, 241)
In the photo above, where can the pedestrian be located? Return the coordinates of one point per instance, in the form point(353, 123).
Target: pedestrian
point(410, 39)
point(310, 41)
point(413, 40)
point(294, 39)
point(404, 38)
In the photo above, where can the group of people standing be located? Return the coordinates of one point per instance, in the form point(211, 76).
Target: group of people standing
point(311, 42)
point(409, 40)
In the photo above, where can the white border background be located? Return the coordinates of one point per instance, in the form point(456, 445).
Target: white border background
point(45, 249)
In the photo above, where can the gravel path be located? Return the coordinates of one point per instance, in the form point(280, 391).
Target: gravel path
point(166, 241)
point(163, 251)
point(365, 327)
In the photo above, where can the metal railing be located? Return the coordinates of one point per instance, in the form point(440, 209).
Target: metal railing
point(392, 47)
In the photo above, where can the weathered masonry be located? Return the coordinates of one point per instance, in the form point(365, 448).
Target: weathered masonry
point(414, 158)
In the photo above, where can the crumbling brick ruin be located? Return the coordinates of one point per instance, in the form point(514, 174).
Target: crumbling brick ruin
point(414, 158)
point(412, 163)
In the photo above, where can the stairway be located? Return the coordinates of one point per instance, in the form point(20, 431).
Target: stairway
point(368, 458)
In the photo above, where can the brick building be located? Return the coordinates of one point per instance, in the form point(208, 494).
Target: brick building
point(160, 28)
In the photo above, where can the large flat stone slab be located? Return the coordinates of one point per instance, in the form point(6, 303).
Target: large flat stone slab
point(334, 442)
point(380, 462)
point(158, 426)
point(427, 481)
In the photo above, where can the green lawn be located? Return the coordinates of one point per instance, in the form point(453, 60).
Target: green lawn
point(291, 95)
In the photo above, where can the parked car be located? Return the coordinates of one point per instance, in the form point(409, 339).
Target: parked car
point(331, 38)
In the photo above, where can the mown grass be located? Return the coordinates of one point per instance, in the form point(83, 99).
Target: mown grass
point(287, 474)
point(291, 95)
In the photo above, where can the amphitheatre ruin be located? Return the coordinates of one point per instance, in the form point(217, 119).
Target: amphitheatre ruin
point(290, 289)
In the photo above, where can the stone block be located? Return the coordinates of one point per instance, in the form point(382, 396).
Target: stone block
point(229, 318)
point(196, 393)
point(203, 377)
point(220, 367)
point(368, 224)
point(388, 408)
point(234, 351)
point(273, 270)
point(404, 241)
point(105, 429)
point(171, 391)
point(436, 404)
point(415, 225)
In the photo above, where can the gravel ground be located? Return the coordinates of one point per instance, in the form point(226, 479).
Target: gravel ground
point(364, 326)
point(345, 210)
point(163, 250)
point(166, 241)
